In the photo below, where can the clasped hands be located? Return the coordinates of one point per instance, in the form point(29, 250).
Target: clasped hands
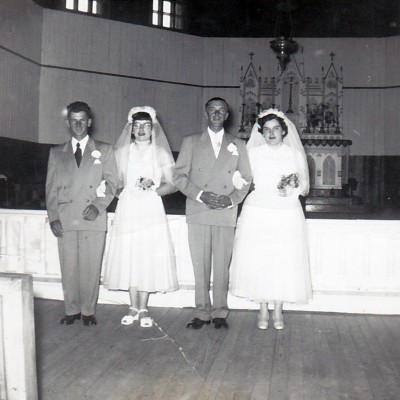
point(215, 201)
point(90, 213)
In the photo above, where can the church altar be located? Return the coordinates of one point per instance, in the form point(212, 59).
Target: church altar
point(354, 263)
point(315, 106)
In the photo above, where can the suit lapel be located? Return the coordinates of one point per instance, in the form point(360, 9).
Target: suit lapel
point(223, 156)
point(206, 151)
point(69, 163)
point(87, 159)
point(68, 159)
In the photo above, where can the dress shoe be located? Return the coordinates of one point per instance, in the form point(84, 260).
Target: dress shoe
point(278, 322)
point(197, 323)
point(89, 320)
point(262, 320)
point(70, 319)
point(220, 323)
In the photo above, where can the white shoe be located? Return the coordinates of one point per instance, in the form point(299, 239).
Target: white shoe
point(145, 322)
point(129, 319)
point(278, 323)
point(262, 323)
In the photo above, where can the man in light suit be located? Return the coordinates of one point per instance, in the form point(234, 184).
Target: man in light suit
point(81, 182)
point(213, 171)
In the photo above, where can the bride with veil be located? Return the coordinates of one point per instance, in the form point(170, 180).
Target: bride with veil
point(270, 255)
point(140, 256)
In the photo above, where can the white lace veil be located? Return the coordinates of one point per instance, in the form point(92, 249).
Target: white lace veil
point(291, 140)
point(161, 152)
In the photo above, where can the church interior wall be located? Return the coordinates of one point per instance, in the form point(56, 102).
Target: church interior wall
point(50, 58)
point(208, 66)
point(20, 56)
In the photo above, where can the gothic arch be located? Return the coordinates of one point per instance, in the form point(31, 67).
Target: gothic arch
point(311, 169)
point(329, 172)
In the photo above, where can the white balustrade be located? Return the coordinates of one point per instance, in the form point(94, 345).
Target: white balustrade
point(355, 264)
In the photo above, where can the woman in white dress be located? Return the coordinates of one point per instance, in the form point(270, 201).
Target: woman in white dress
point(270, 257)
point(140, 256)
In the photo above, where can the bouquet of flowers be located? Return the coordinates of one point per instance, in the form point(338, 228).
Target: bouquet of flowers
point(145, 184)
point(291, 181)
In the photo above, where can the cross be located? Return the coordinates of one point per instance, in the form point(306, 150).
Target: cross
point(332, 55)
point(251, 56)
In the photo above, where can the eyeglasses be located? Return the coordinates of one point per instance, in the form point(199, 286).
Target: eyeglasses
point(145, 125)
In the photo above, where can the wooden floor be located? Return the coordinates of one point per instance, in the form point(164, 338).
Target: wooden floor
point(316, 357)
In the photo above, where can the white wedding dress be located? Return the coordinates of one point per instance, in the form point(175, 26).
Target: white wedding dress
point(140, 253)
point(270, 255)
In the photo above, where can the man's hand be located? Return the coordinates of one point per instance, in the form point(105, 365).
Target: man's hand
point(223, 202)
point(90, 213)
point(215, 201)
point(56, 228)
point(209, 199)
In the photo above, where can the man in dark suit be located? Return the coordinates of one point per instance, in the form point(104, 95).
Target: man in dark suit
point(213, 171)
point(81, 182)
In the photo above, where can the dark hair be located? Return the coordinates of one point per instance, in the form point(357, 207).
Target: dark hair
point(141, 116)
point(269, 117)
point(79, 106)
point(217, 99)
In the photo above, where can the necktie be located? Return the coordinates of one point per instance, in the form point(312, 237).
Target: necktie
point(78, 154)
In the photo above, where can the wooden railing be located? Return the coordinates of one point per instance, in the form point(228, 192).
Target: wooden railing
point(17, 338)
point(354, 263)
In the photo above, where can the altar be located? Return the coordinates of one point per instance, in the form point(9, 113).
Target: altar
point(315, 106)
point(354, 263)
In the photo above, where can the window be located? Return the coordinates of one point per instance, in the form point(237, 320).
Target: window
point(167, 13)
point(84, 6)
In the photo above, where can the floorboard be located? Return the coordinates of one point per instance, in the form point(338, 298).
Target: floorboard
point(316, 357)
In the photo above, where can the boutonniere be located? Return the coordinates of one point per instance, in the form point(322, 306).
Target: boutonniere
point(96, 154)
point(233, 149)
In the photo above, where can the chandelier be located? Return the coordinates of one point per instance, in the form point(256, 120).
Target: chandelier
point(284, 46)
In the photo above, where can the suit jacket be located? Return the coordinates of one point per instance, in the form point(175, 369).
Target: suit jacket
point(69, 189)
point(197, 169)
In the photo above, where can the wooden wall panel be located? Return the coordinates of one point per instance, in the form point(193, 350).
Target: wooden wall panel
point(19, 97)
point(21, 27)
point(111, 99)
point(103, 45)
point(392, 97)
point(392, 121)
point(392, 56)
point(177, 74)
point(364, 120)
point(20, 52)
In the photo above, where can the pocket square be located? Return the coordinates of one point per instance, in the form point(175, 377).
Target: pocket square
point(238, 181)
point(101, 190)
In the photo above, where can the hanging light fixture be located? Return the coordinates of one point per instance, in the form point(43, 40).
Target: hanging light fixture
point(284, 46)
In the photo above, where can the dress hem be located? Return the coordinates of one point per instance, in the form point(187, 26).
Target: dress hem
point(254, 300)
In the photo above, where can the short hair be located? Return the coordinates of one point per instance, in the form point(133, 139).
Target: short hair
point(217, 99)
point(141, 116)
point(269, 117)
point(79, 106)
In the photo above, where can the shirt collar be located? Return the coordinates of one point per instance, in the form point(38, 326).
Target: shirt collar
point(82, 142)
point(213, 134)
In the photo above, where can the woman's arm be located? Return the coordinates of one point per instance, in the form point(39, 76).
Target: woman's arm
point(166, 185)
point(166, 188)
